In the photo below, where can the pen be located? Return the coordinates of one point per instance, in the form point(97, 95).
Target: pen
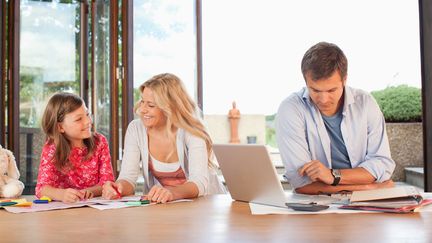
point(118, 193)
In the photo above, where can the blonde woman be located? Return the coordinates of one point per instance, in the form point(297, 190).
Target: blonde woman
point(170, 142)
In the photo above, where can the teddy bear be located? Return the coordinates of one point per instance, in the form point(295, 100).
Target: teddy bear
point(10, 186)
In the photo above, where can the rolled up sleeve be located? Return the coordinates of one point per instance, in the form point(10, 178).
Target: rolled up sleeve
point(378, 159)
point(291, 140)
point(131, 155)
point(198, 163)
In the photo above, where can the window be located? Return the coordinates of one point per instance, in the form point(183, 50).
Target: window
point(165, 41)
point(252, 53)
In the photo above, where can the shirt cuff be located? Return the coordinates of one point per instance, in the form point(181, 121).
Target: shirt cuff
point(201, 187)
point(296, 180)
point(377, 170)
point(133, 183)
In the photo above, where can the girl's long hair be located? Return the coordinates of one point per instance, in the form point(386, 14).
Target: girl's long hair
point(58, 106)
point(179, 109)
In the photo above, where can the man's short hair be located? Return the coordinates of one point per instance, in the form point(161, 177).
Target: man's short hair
point(322, 59)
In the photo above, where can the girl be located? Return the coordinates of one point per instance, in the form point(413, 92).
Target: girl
point(75, 162)
point(170, 142)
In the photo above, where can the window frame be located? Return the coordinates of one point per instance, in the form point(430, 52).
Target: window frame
point(425, 15)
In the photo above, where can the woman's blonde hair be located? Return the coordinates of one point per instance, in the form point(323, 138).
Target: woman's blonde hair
point(58, 106)
point(179, 109)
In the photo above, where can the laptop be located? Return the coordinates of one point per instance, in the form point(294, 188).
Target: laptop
point(250, 175)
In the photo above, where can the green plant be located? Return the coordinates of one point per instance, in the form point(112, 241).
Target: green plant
point(271, 137)
point(400, 103)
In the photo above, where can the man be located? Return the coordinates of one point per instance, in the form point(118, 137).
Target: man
point(332, 137)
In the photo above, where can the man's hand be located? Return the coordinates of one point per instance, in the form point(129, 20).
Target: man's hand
point(317, 171)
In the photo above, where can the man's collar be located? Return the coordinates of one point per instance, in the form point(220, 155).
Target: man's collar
point(305, 95)
point(349, 97)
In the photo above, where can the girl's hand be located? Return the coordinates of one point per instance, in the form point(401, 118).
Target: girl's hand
point(71, 195)
point(110, 189)
point(87, 194)
point(160, 194)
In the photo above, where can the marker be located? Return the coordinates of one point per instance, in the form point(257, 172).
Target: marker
point(46, 198)
point(138, 203)
point(145, 201)
point(40, 201)
point(4, 204)
point(23, 204)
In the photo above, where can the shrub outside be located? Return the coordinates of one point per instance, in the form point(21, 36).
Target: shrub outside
point(400, 103)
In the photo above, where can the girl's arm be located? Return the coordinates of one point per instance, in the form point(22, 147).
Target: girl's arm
point(95, 191)
point(105, 169)
point(65, 195)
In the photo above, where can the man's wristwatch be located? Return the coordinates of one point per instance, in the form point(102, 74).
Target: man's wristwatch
point(336, 175)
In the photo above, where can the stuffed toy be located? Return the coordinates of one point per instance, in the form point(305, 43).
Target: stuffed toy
point(10, 186)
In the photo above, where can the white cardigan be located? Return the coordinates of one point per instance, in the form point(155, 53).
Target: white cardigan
point(191, 151)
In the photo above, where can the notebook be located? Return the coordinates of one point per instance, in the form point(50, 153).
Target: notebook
point(399, 199)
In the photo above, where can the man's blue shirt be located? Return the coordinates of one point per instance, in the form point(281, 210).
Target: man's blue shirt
point(302, 136)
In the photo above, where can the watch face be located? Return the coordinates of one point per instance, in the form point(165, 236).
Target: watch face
point(336, 173)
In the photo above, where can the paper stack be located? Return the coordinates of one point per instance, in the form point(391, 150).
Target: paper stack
point(395, 200)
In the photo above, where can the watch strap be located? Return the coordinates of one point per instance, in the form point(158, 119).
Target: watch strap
point(336, 177)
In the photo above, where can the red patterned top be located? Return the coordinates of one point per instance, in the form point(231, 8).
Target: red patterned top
point(94, 171)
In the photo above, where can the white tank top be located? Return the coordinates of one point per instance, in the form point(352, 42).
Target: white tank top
point(163, 166)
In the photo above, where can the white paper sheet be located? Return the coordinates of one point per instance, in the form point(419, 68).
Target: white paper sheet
point(98, 203)
point(319, 199)
point(116, 205)
point(123, 199)
point(45, 207)
point(259, 209)
point(55, 205)
point(111, 205)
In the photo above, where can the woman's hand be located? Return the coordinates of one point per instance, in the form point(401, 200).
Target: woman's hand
point(160, 194)
point(112, 190)
point(71, 195)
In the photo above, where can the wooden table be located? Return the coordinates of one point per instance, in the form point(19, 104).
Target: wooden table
point(209, 219)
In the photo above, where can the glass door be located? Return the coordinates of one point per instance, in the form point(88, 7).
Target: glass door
point(49, 62)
